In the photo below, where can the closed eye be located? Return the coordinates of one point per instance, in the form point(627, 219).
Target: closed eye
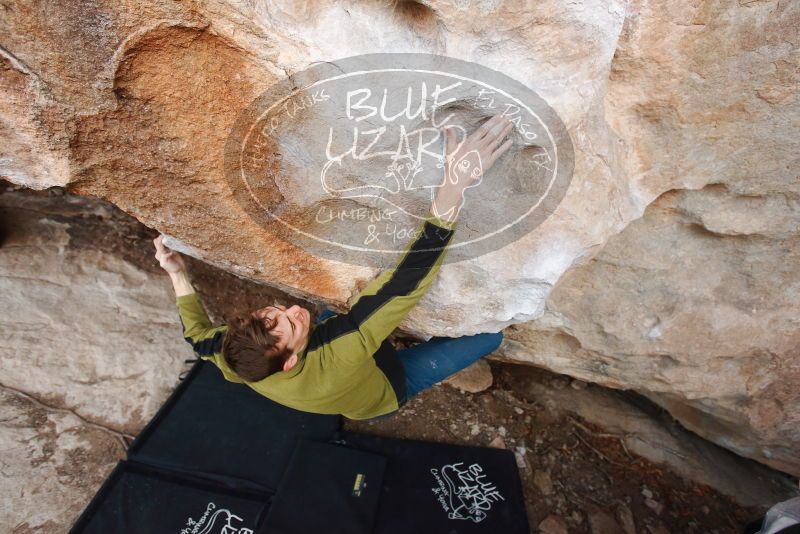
point(291, 324)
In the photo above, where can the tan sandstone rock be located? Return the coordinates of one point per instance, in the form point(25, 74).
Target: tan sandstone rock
point(53, 463)
point(84, 329)
point(133, 103)
point(704, 324)
point(474, 379)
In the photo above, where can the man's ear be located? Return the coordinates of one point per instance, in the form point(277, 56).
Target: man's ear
point(288, 364)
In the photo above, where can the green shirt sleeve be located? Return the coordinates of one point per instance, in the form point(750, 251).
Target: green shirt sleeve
point(206, 340)
point(386, 300)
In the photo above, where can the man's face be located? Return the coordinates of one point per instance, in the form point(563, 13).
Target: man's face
point(292, 325)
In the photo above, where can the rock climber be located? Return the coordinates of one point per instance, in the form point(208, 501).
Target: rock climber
point(344, 363)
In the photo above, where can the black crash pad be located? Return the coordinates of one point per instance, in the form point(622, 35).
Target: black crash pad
point(337, 489)
point(226, 431)
point(435, 488)
point(137, 499)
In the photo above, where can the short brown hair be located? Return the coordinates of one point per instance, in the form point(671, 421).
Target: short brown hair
point(250, 350)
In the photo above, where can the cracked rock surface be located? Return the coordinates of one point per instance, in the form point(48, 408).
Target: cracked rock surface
point(53, 463)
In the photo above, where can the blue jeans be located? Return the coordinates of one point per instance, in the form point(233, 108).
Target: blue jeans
point(434, 360)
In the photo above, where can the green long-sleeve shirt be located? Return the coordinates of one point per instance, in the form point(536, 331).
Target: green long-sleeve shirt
point(339, 370)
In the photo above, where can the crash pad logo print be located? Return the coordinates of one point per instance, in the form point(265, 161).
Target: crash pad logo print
point(216, 521)
point(465, 492)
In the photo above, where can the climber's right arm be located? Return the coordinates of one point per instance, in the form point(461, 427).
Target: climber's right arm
point(205, 339)
point(196, 324)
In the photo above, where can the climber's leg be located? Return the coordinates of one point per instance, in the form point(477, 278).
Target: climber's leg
point(432, 361)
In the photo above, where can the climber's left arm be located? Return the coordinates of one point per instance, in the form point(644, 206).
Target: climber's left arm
point(197, 329)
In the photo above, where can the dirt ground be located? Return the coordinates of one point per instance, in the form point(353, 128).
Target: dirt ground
point(569, 468)
point(575, 477)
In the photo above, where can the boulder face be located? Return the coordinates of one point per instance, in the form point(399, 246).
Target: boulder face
point(92, 347)
point(702, 322)
point(669, 267)
point(54, 464)
point(86, 330)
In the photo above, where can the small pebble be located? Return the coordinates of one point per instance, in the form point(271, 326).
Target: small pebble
point(553, 524)
point(519, 454)
point(559, 383)
point(543, 481)
point(498, 443)
point(578, 384)
point(655, 506)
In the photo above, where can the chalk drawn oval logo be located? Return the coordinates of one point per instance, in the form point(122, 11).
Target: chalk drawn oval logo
point(344, 158)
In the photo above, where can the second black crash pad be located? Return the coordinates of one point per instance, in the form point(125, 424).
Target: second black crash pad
point(436, 488)
point(327, 488)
